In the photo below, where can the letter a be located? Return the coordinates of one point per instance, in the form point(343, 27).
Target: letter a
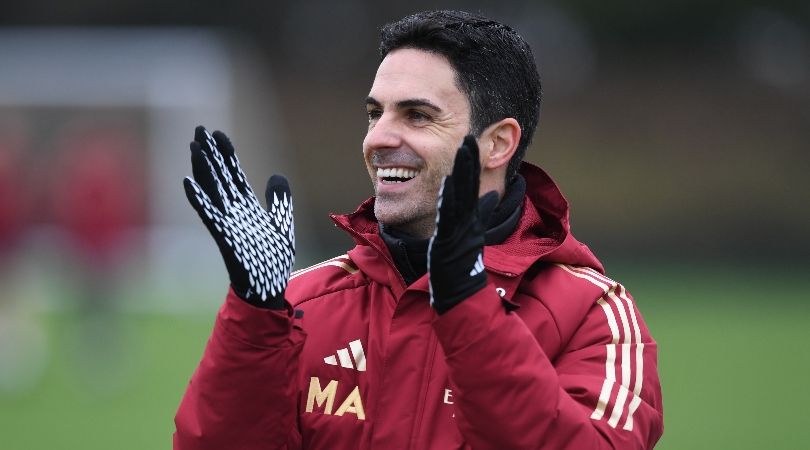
point(352, 404)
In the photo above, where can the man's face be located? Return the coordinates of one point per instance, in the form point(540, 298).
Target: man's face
point(418, 118)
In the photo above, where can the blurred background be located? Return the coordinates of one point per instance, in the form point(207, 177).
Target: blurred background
point(679, 131)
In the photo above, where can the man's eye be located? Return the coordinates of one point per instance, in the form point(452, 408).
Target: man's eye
point(415, 115)
point(373, 114)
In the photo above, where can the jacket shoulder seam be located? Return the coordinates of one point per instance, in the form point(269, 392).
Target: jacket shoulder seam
point(343, 262)
point(591, 276)
point(324, 294)
point(588, 275)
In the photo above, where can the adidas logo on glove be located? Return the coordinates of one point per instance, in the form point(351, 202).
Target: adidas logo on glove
point(479, 266)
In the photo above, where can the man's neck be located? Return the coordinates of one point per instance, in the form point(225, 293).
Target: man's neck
point(416, 230)
point(410, 250)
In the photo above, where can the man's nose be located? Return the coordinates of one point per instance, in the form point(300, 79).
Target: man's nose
point(384, 133)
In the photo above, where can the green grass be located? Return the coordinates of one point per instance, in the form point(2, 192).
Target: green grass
point(733, 358)
point(733, 355)
point(125, 400)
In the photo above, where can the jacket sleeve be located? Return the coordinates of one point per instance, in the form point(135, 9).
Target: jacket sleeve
point(243, 394)
point(601, 392)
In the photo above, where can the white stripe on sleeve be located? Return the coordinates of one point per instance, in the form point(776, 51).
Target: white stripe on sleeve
point(639, 356)
point(623, 306)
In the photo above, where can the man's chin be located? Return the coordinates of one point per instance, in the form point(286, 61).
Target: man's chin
point(390, 218)
point(408, 221)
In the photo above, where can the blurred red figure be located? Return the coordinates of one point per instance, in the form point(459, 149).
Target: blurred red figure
point(98, 193)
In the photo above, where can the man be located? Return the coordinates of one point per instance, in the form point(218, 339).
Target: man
point(456, 321)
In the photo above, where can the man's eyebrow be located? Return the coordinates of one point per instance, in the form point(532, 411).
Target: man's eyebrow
point(418, 102)
point(408, 103)
point(372, 101)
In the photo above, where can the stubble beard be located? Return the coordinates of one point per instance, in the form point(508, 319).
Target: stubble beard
point(413, 213)
point(409, 214)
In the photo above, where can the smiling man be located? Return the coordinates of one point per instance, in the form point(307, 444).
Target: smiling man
point(417, 118)
point(466, 315)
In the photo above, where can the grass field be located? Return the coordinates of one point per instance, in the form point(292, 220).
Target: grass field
point(733, 357)
point(734, 364)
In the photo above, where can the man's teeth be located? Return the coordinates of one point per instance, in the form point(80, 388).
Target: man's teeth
point(396, 172)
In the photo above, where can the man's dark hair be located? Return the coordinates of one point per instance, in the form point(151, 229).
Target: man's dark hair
point(494, 67)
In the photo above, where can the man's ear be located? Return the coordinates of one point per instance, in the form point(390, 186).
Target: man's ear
point(498, 143)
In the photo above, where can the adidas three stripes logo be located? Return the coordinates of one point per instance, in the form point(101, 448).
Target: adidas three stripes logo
point(479, 265)
point(344, 358)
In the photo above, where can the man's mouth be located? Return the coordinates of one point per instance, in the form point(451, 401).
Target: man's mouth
point(393, 175)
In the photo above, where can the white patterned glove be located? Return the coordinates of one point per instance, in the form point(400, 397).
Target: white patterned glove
point(258, 246)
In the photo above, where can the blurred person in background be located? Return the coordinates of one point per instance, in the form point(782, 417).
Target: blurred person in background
point(466, 316)
point(98, 200)
point(98, 194)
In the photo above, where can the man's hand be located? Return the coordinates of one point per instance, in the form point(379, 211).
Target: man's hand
point(456, 250)
point(258, 246)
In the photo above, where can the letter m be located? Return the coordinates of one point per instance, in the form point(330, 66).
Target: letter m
point(318, 396)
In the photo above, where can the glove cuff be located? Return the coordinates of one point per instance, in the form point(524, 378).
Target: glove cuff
point(251, 297)
point(443, 303)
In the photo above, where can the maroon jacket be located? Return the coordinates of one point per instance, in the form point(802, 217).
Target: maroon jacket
point(552, 354)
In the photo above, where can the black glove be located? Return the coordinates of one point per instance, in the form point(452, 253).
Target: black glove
point(258, 246)
point(456, 250)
